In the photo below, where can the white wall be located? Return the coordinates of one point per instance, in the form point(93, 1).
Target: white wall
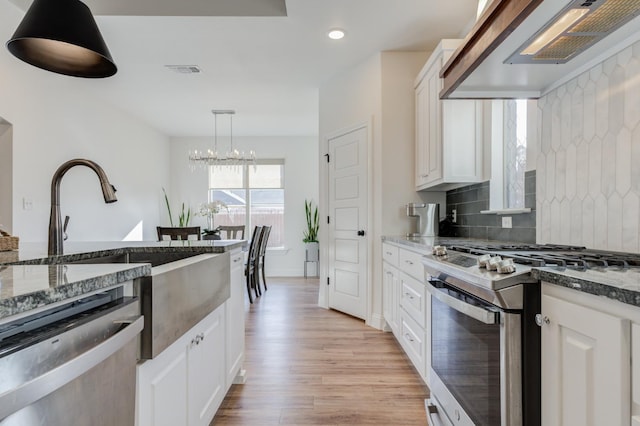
point(55, 118)
point(380, 90)
point(6, 177)
point(588, 175)
point(301, 182)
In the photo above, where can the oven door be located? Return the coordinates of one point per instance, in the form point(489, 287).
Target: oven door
point(475, 360)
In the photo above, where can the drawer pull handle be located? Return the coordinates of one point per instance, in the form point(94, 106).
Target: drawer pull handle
point(409, 262)
point(409, 296)
point(389, 253)
point(408, 337)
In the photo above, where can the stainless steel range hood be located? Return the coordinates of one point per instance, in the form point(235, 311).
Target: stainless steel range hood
point(578, 26)
point(489, 63)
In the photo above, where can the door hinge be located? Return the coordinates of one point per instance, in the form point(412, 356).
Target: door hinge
point(327, 280)
point(328, 157)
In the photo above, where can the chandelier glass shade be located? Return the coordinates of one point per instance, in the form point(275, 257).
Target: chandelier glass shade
point(215, 157)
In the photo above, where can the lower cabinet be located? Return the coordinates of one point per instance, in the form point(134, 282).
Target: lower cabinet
point(406, 305)
point(235, 321)
point(185, 384)
point(390, 296)
point(586, 359)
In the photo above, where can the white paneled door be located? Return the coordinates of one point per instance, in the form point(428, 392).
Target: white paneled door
point(348, 202)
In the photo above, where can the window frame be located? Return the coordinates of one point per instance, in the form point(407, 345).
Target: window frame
point(247, 188)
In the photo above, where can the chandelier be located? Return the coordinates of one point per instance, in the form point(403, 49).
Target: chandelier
point(213, 157)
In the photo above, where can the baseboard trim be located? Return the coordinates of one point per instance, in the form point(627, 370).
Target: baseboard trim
point(377, 321)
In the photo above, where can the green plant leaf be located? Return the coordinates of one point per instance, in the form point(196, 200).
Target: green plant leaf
point(166, 200)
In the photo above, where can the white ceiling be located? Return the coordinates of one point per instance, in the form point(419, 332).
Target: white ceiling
point(266, 68)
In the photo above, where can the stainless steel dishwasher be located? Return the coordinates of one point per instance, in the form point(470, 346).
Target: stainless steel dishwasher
point(74, 364)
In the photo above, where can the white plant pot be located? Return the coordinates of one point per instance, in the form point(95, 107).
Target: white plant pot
point(312, 252)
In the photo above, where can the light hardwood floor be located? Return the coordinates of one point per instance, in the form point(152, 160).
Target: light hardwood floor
point(307, 365)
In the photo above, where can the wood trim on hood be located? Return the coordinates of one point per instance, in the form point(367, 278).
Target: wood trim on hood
point(499, 20)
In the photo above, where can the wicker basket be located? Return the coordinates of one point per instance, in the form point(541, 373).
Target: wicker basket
point(8, 242)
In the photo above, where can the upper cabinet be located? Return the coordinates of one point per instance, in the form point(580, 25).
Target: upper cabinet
point(515, 50)
point(448, 133)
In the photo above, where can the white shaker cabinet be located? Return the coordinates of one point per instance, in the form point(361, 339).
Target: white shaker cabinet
point(406, 304)
point(185, 384)
point(206, 369)
point(586, 359)
point(390, 289)
point(448, 133)
point(235, 321)
point(635, 374)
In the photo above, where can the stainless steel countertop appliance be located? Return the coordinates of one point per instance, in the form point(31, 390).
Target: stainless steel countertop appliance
point(485, 334)
point(73, 364)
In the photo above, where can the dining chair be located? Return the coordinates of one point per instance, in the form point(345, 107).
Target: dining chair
point(250, 270)
point(232, 232)
point(264, 239)
point(178, 233)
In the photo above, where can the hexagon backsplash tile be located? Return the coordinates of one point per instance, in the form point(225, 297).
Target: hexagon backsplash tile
point(590, 131)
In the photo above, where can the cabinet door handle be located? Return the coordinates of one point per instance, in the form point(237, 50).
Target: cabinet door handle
point(408, 262)
point(237, 259)
point(424, 175)
point(389, 253)
point(409, 296)
point(408, 337)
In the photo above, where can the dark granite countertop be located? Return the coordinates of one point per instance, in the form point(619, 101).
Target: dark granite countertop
point(622, 285)
point(36, 253)
point(27, 287)
point(29, 279)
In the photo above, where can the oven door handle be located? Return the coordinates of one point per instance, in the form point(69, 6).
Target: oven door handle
point(480, 314)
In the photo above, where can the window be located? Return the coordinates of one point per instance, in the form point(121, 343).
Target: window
point(254, 196)
point(509, 153)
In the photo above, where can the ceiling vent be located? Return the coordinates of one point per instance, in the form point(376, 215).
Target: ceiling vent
point(185, 69)
point(578, 26)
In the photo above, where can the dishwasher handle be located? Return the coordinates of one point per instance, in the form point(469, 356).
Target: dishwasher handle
point(484, 315)
point(27, 393)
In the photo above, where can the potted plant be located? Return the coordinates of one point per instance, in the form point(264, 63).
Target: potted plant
point(183, 218)
point(310, 236)
point(209, 210)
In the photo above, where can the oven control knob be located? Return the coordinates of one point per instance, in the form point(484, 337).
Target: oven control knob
point(541, 320)
point(483, 260)
point(506, 266)
point(492, 264)
point(439, 250)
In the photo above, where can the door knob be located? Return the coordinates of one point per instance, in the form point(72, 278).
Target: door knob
point(361, 232)
point(542, 320)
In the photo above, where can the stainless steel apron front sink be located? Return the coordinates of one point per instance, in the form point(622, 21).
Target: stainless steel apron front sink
point(184, 287)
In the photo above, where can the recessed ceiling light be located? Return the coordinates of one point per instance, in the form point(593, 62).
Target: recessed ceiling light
point(335, 33)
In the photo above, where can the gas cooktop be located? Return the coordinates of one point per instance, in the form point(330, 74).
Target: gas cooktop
point(499, 265)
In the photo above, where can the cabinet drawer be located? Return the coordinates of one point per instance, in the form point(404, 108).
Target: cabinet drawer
point(411, 263)
point(390, 254)
point(413, 298)
point(412, 339)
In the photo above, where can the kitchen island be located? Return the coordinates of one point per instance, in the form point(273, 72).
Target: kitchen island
point(191, 296)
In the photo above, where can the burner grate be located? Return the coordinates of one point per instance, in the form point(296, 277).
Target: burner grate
point(539, 255)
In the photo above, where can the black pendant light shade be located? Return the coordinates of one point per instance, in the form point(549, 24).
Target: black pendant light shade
point(62, 36)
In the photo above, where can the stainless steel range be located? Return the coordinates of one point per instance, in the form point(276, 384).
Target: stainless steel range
point(485, 343)
point(485, 339)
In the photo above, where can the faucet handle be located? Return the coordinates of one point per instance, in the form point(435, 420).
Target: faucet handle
point(64, 228)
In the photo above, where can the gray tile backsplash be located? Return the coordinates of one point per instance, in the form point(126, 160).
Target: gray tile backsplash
point(468, 201)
